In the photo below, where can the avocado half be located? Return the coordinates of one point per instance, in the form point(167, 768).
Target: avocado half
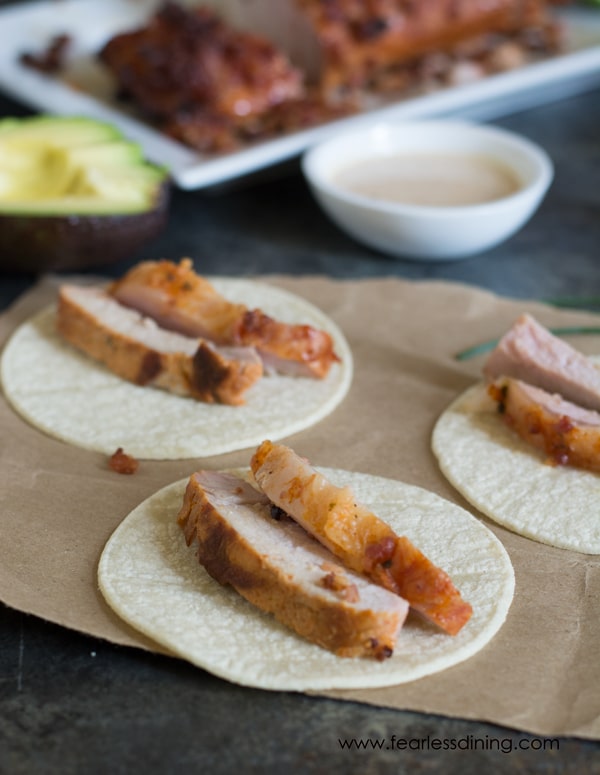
point(74, 194)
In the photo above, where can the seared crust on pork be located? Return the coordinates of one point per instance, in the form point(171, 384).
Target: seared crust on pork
point(189, 57)
point(360, 539)
point(181, 300)
point(216, 78)
point(358, 39)
point(272, 562)
point(136, 349)
point(565, 432)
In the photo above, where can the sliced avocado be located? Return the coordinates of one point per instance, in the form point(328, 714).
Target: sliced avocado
point(115, 152)
point(75, 189)
point(60, 131)
point(80, 173)
point(73, 165)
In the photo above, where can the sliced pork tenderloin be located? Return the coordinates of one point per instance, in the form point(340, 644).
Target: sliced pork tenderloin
point(343, 44)
point(244, 541)
point(135, 348)
point(181, 300)
point(360, 539)
point(566, 433)
point(531, 353)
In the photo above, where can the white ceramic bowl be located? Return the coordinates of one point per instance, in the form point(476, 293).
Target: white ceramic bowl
point(425, 232)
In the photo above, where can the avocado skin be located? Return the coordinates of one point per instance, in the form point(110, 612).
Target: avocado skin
point(78, 195)
point(33, 244)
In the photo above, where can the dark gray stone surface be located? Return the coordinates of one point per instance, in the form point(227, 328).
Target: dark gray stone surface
point(73, 704)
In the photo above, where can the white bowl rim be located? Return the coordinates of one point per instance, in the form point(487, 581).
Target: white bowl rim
point(541, 181)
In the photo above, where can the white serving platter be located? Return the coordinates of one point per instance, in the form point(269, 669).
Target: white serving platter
point(84, 89)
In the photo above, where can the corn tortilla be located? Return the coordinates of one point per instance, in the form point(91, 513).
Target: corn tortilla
point(69, 396)
point(155, 583)
point(510, 481)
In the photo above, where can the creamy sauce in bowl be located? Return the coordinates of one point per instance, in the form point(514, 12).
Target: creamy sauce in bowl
point(430, 179)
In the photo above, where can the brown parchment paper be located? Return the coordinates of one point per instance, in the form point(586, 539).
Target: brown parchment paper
point(541, 673)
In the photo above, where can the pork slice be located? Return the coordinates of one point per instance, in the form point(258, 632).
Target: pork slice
point(135, 348)
point(284, 23)
point(244, 542)
point(360, 539)
point(529, 352)
point(566, 433)
point(344, 43)
point(184, 57)
point(183, 301)
point(297, 350)
point(179, 300)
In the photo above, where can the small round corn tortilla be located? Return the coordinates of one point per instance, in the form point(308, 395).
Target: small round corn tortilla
point(510, 482)
point(155, 583)
point(71, 397)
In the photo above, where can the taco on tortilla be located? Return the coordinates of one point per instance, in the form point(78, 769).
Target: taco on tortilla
point(226, 614)
point(522, 446)
point(160, 394)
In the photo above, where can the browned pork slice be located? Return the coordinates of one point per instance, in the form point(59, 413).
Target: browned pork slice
point(529, 352)
point(347, 43)
point(566, 433)
point(185, 57)
point(181, 300)
point(245, 542)
point(135, 348)
point(361, 540)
